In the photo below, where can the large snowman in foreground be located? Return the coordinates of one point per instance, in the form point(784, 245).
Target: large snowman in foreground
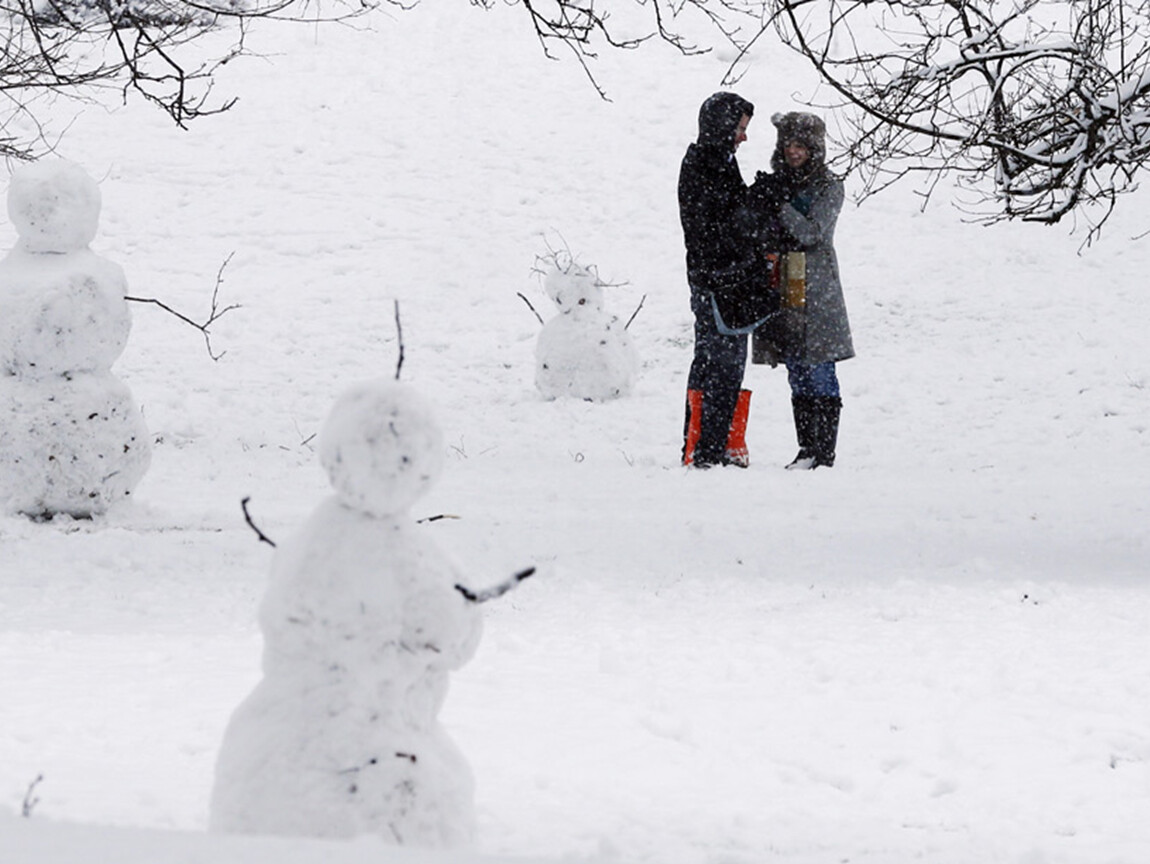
point(362, 624)
point(583, 351)
point(72, 440)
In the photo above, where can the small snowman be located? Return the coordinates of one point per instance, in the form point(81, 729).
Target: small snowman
point(72, 440)
point(362, 624)
point(584, 351)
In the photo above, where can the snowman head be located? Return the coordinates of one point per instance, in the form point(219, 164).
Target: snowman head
point(54, 205)
point(575, 289)
point(381, 447)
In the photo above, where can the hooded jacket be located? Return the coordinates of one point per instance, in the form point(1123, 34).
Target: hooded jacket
point(718, 229)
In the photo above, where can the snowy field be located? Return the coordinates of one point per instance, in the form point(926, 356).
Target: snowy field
point(937, 651)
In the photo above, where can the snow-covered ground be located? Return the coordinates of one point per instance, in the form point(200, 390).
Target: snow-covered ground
point(936, 651)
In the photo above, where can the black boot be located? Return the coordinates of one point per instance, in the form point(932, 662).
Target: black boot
point(827, 410)
point(805, 410)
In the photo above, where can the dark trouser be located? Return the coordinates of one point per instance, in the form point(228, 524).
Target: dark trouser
point(816, 405)
point(717, 371)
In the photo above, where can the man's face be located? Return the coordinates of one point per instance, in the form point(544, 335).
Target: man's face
point(741, 130)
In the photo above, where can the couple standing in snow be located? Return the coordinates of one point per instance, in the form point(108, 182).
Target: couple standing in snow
point(744, 246)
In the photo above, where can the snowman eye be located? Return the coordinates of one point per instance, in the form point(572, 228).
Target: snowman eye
point(582, 301)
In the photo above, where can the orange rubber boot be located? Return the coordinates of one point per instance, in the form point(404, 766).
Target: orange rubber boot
point(737, 438)
point(693, 428)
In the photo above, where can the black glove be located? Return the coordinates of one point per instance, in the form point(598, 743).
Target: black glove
point(769, 192)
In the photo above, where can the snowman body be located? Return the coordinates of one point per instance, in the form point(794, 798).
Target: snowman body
point(583, 352)
point(71, 437)
point(362, 626)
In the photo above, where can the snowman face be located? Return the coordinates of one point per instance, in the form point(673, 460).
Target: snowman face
point(54, 205)
point(381, 447)
point(576, 290)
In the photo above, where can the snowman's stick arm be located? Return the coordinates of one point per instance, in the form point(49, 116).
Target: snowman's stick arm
point(399, 339)
point(494, 591)
point(642, 300)
point(523, 297)
point(214, 315)
point(248, 518)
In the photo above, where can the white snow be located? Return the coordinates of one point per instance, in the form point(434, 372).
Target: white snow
point(936, 651)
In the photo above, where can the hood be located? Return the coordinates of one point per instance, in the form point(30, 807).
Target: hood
point(808, 129)
point(719, 117)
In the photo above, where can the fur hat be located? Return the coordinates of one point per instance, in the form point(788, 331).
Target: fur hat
point(807, 129)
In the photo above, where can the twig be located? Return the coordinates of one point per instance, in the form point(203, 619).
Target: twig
point(399, 338)
point(215, 314)
point(642, 300)
point(495, 590)
point(30, 799)
point(248, 518)
point(529, 306)
point(436, 518)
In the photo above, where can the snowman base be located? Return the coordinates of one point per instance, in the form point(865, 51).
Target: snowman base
point(69, 447)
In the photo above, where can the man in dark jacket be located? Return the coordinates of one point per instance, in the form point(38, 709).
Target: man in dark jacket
point(718, 231)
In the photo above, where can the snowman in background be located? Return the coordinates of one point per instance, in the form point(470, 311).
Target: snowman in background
point(362, 624)
point(583, 351)
point(72, 440)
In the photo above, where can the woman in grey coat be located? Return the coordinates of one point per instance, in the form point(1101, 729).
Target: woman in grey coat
point(801, 199)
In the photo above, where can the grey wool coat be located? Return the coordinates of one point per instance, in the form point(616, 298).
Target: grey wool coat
point(828, 329)
point(798, 209)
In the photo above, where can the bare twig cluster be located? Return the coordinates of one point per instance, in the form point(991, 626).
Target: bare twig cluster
point(78, 48)
point(562, 260)
point(1041, 107)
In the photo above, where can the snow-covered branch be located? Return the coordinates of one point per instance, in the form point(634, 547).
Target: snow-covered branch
point(1042, 108)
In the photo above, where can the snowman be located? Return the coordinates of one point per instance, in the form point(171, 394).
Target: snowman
point(362, 624)
point(72, 440)
point(583, 351)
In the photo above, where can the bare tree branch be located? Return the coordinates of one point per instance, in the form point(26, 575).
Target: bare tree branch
point(1039, 108)
point(582, 27)
point(77, 48)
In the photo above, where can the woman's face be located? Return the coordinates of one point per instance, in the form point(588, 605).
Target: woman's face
point(796, 154)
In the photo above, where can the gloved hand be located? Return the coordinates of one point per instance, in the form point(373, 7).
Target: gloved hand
point(770, 191)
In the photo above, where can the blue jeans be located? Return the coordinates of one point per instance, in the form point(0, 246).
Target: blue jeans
point(819, 380)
